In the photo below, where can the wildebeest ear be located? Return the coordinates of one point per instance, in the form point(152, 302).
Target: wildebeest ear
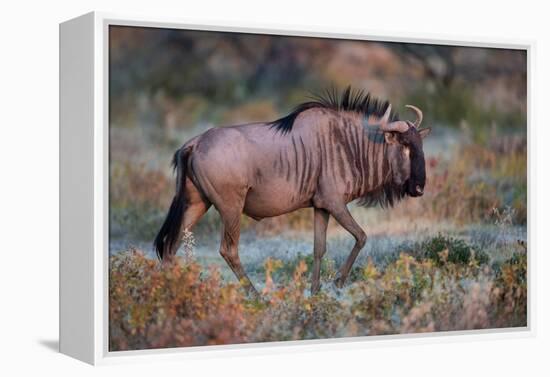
point(424, 132)
point(391, 137)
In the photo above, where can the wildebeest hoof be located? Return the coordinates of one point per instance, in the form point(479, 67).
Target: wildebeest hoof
point(315, 289)
point(338, 282)
point(253, 294)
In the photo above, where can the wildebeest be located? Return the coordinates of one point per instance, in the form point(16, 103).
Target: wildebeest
point(326, 153)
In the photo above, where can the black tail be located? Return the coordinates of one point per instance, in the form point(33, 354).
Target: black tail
point(167, 239)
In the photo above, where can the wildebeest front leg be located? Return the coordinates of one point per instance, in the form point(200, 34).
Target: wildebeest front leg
point(229, 250)
point(343, 217)
point(321, 218)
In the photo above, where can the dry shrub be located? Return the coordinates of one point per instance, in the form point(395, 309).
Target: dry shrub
point(460, 192)
point(470, 185)
point(171, 306)
point(134, 184)
point(510, 293)
point(138, 198)
point(476, 305)
point(178, 305)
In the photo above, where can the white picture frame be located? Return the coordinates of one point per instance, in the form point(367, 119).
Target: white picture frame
point(84, 192)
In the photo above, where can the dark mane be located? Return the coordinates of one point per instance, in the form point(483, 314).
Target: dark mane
point(357, 101)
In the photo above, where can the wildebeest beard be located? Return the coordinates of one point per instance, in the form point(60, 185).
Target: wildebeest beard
point(385, 196)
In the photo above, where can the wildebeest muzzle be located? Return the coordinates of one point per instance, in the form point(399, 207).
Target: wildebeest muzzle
point(415, 184)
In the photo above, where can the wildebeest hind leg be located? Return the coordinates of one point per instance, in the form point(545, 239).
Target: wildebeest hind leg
point(229, 248)
point(344, 218)
point(196, 205)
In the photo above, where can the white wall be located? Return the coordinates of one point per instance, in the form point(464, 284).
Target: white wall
point(29, 182)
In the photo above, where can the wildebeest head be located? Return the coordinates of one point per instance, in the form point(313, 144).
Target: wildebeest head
point(405, 153)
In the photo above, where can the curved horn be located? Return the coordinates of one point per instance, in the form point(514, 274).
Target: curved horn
point(419, 115)
point(397, 126)
point(386, 117)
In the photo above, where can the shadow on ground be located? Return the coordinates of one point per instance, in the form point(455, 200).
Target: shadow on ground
point(52, 345)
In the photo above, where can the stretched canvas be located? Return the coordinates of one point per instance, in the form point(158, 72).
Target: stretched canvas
point(268, 188)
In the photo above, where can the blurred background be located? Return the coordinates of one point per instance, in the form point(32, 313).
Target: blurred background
point(169, 85)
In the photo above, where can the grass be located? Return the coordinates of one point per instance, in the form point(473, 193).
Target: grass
point(183, 305)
